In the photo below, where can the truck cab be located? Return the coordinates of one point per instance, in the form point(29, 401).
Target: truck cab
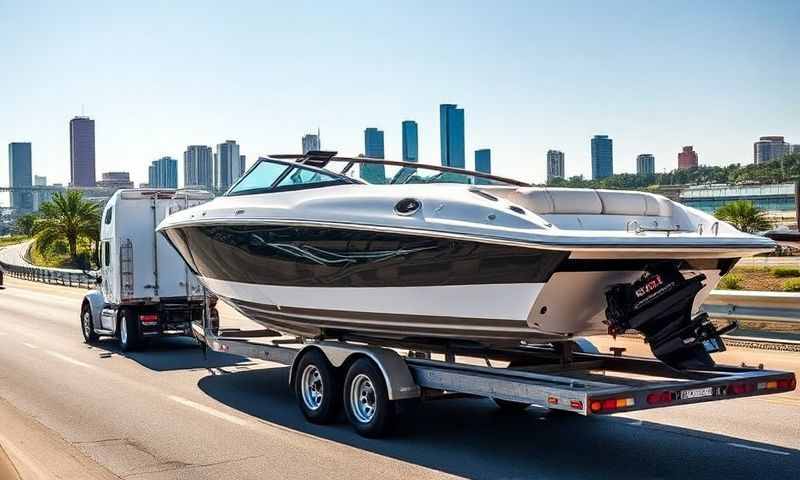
point(145, 289)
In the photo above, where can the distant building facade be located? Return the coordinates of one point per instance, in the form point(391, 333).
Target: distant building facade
point(20, 175)
point(687, 158)
point(115, 180)
point(198, 167)
point(373, 148)
point(796, 149)
point(602, 157)
point(39, 181)
point(770, 148)
point(82, 152)
point(242, 164)
point(163, 173)
point(227, 165)
point(483, 164)
point(776, 199)
point(311, 142)
point(555, 164)
point(645, 164)
point(410, 141)
point(451, 132)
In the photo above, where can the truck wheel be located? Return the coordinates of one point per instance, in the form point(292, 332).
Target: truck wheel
point(316, 385)
point(87, 327)
point(366, 399)
point(127, 331)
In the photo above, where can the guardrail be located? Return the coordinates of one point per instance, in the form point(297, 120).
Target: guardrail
point(50, 276)
point(777, 307)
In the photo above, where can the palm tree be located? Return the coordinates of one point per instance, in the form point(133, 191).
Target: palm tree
point(66, 217)
point(25, 224)
point(744, 216)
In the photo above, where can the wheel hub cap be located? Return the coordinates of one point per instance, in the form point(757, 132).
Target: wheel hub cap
point(363, 401)
point(311, 387)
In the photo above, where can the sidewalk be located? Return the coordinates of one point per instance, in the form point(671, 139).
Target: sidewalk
point(7, 469)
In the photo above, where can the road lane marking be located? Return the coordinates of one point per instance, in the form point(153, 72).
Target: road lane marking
point(30, 345)
point(758, 449)
point(208, 410)
point(67, 359)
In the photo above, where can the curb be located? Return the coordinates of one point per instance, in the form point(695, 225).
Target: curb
point(7, 469)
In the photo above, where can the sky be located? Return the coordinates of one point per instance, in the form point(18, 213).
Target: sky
point(530, 75)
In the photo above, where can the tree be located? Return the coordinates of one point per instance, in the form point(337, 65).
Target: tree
point(68, 218)
point(25, 224)
point(744, 216)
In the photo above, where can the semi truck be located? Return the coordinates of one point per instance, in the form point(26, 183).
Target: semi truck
point(144, 288)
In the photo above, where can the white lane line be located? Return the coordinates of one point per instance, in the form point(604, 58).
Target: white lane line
point(30, 345)
point(758, 449)
point(208, 410)
point(67, 359)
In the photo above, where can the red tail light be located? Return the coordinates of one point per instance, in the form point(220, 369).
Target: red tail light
point(148, 319)
point(741, 388)
point(659, 398)
point(610, 404)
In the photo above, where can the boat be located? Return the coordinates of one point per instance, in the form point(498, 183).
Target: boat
point(784, 237)
point(402, 253)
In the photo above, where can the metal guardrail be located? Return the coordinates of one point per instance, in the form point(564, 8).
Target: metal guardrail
point(49, 276)
point(778, 307)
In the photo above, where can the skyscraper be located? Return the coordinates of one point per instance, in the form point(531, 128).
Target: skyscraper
point(451, 131)
point(242, 164)
point(687, 158)
point(602, 157)
point(20, 175)
point(198, 167)
point(81, 152)
point(555, 164)
point(483, 164)
point(410, 141)
point(373, 148)
point(163, 173)
point(645, 164)
point(770, 148)
point(227, 164)
point(311, 142)
point(115, 180)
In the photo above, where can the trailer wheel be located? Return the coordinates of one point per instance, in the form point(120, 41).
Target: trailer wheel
point(508, 405)
point(366, 399)
point(316, 386)
point(89, 336)
point(127, 331)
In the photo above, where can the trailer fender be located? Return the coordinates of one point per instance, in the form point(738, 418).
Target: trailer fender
point(96, 303)
point(398, 377)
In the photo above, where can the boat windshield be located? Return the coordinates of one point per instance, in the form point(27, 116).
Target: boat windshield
point(272, 176)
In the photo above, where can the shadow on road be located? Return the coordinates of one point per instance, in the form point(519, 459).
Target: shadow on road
point(473, 439)
point(170, 353)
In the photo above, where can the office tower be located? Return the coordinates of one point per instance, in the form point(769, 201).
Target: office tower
point(483, 164)
point(227, 165)
point(311, 142)
point(645, 164)
point(796, 149)
point(555, 164)
point(20, 175)
point(687, 158)
point(242, 164)
point(602, 157)
point(373, 148)
point(39, 181)
point(115, 180)
point(81, 152)
point(451, 131)
point(770, 148)
point(163, 173)
point(198, 167)
point(410, 141)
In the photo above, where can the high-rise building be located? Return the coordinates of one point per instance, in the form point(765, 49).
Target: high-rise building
point(163, 173)
point(410, 141)
point(242, 164)
point(227, 165)
point(770, 148)
point(483, 164)
point(115, 180)
point(687, 158)
point(602, 157)
point(645, 164)
point(20, 175)
point(555, 164)
point(796, 149)
point(373, 148)
point(311, 142)
point(39, 181)
point(451, 132)
point(198, 167)
point(81, 152)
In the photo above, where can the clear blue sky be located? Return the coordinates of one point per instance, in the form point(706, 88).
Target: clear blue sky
point(531, 76)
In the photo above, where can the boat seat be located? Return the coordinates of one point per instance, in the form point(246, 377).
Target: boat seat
point(545, 201)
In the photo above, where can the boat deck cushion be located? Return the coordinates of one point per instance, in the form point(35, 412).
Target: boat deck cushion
point(545, 201)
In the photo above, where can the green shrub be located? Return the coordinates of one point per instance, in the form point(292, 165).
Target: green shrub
point(792, 285)
point(784, 272)
point(731, 281)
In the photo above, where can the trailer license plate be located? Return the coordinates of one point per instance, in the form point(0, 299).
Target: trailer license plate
point(697, 393)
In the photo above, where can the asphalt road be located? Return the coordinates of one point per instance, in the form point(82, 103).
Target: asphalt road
point(169, 413)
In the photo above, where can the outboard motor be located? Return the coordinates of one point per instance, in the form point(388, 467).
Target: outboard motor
point(659, 305)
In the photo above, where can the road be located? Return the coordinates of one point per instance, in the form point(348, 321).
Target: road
point(168, 413)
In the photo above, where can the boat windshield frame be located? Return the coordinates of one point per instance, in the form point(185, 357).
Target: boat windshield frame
point(290, 161)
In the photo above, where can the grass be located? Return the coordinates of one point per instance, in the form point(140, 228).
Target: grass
point(761, 279)
point(731, 281)
point(792, 285)
point(783, 272)
point(7, 240)
point(59, 258)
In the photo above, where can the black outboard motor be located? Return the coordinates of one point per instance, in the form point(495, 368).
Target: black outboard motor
point(659, 305)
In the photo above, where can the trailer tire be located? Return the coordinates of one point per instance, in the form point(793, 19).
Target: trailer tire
point(366, 400)
point(317, 388)
point(508, 405)
point(87, 327)
point(127, 330)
